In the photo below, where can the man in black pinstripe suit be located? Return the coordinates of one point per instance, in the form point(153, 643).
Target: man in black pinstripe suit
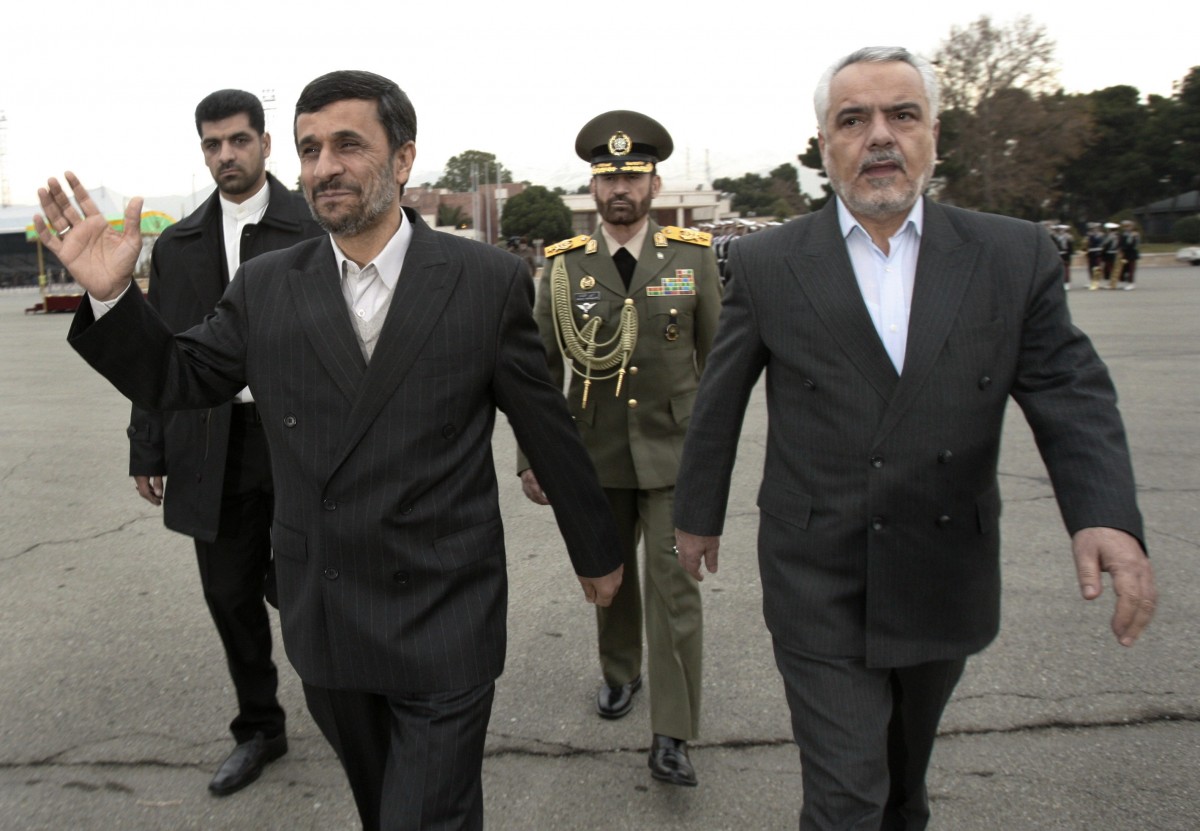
point(378, 393)
point(893, 331)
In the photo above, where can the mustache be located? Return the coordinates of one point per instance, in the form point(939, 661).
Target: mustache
point(335, 184)
point(881, 156)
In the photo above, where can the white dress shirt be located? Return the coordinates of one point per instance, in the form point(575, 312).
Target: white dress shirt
point(886, 280)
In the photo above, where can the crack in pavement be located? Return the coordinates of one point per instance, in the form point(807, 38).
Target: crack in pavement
point(89, 538)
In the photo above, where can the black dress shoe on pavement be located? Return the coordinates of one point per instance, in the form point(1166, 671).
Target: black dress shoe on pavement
point(614, 702)
point(669, 761)
point(246, 763)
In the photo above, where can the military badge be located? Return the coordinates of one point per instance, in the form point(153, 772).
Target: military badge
point(619, 144)
point(587, 281)
point(591, 247)
point(684, 282)
point(660, 240)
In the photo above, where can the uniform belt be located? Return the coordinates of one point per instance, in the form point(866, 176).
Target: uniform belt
point(246, 412)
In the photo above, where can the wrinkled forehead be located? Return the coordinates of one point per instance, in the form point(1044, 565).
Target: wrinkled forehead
point(869, 85)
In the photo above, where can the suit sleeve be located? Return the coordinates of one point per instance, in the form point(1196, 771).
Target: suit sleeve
point(708, 309)
point(710, 449)
point(543, 312)
point(136, 351)
point(147, 451)
point(1068, 398)
point(537, 411)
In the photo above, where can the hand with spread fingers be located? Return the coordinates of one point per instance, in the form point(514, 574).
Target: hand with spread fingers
point(100, 259)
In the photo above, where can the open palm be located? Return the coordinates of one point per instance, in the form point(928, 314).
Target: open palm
point(100, 259)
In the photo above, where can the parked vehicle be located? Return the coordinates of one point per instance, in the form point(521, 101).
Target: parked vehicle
point(1190, 255)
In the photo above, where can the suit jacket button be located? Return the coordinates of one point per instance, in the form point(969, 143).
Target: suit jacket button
point(289, 420)
point(985, 382)
point(878, 523)
point(944, 456)
point(810, 384)
point(633, 403)
point(331, 573)
point(401, 578)
point(876, 461)
point(448, 431)
point(329, 504)
point(944, 521)
point(131, 431)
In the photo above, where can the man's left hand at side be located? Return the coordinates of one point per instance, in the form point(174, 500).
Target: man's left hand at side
point(1098, 550)
point(602, 590)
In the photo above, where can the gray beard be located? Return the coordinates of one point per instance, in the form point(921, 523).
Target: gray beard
point(366, 216)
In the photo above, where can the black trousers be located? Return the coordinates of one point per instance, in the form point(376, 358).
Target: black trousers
point(234, 570)
point(414, 761)
point(865, 738)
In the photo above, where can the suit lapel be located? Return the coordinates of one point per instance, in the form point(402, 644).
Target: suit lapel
point(600, 265)
point(424, 288)
point(321, 312)
point(944, 269)
point(822, 267)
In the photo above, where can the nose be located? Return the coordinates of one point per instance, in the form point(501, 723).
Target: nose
point(881, 131)
point(226, 153)
point(327, 165)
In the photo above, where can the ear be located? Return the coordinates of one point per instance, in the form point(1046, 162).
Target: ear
point(266, 145)
point(592, 186)
point(655, 185)
point(937, 131)
point(403, 161)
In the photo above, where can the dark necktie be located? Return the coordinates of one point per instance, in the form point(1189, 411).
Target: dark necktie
point(625, 263)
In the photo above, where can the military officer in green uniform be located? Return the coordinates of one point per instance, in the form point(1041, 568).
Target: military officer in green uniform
point(630, 312)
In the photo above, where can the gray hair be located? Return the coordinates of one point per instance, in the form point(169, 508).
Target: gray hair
point(876, 54)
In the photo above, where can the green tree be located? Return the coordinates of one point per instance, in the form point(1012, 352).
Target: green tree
point(452, 216)
point(1113, 171)
point(811, 158)
point(536, 213)
point(459, 169)
point(1006, 132)
point(776, 195)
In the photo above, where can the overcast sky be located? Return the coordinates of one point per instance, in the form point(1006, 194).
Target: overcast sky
point(108, 90)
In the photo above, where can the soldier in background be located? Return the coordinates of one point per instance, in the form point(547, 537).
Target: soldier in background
point(1095, 259)
point(631, 311)
point(1130, 246)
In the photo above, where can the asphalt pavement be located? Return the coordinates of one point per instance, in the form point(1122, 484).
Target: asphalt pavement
point(114, 698)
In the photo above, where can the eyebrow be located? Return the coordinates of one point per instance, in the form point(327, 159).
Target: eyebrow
point(340, 134)
point(858, 109)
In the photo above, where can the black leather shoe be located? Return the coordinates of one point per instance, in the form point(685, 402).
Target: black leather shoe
point(669, 761)
point(614, 702)
point(246, 763)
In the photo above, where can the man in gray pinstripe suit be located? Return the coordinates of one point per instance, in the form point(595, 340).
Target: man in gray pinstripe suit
point(893, 331)
point(378, 393)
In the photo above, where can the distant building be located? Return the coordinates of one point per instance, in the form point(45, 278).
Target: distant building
point(1157, 218)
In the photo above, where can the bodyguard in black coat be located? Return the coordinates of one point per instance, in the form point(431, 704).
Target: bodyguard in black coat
point(214, 462)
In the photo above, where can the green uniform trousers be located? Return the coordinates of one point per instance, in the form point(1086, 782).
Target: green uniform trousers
point(674, 620)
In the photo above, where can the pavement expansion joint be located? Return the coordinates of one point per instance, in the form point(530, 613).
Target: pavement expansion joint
point(75, 540)
point(1147, 719)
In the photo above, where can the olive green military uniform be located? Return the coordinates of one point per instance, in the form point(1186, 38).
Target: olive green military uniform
point(635, 440)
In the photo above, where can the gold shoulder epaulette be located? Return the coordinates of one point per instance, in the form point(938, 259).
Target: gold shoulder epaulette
point(566, 245)
point(687, 235)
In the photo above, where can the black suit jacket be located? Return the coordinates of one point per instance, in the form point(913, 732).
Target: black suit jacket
point(188, 275)
point(388, 541)
point(880, 505)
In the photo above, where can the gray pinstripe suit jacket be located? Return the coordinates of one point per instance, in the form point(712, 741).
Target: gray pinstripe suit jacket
point(388, 537)
point(879, 502)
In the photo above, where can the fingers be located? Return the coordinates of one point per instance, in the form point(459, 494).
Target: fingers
point(1137, 599)
point(133, 221)
point(1099, 550)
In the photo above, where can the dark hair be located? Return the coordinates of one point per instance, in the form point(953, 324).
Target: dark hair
point(395, 111)
point(225, 103)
